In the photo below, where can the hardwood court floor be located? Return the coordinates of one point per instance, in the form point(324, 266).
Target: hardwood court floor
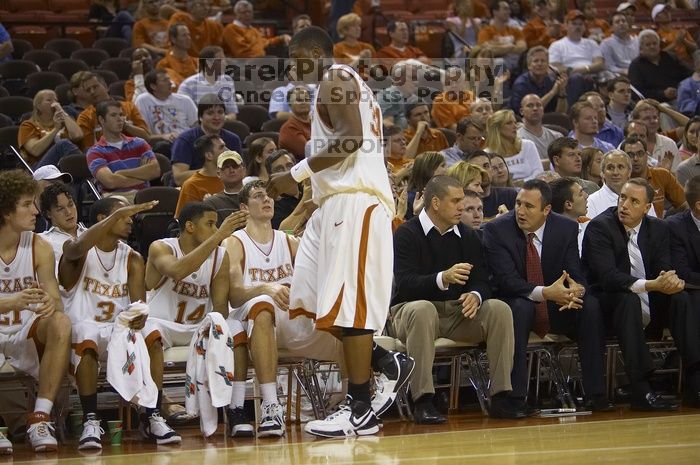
point(620, 437)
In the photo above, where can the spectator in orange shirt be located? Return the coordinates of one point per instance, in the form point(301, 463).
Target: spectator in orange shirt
point(96, 88)
point(350, 50)
point(678, 42)
point(504, 41)
point(178, 58)
point(596, 28)
point(452, 104)
point(542, 29)
point(296, 131)
point(204, 31)
point(419, 131)
point(205, 181)
point(398, 48)
point(395, 149)
point(242, 40)
point(151, 31)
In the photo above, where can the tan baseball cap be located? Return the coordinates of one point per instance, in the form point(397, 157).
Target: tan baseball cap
point(229, 155)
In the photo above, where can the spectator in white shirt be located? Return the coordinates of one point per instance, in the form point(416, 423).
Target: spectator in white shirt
point(532, 111)
point(620, 48)
point(520, 155)
point(663, 149)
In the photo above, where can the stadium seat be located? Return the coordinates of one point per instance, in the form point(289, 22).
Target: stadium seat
point(238, 127)
point(15, 106)
point(117, 88)
point(63, 94)
point(273, 124)
point(3, 92)
point(19, 6)
point(43, 80)
point(17, 69)
point(450, 135)
point(153, 224)
point(64, 47)
point(5, 121)
point(109, 76)
point(555, 127)
point(34, 34)
point(69, 6)
point(68, 67)
point(119, 66)
point(253, 115)
point(20, 47)
point(42, 58)
point(275, 136)
point(111, 45)
point(8, 136)
point(93, 57)
point(560, 119)
point(126, 53)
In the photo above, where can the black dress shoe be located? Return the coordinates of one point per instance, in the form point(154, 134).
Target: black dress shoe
point(510, 408)
point(653, 402)
point(691, 399)
point(598, 404)
point(425, 413)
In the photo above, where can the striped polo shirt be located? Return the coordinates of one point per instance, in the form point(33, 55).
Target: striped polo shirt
point(132, 154)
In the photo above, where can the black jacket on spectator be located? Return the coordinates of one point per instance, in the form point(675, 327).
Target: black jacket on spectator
point(685, 246)
point(419, 258)
point(651, 80)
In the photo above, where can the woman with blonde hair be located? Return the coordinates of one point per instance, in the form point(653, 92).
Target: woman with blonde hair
point(520, 155)
point(425, 166)
point(47, 135)
point(350, 50)
point(464, 26)
point(469, 175)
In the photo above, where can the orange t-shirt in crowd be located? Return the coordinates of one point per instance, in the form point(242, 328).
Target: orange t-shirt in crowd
point(205, 33)
point(29, 130)
point(87, 120)
point(196, 187)
point(507, 36)
point(449, 108)
point(293, 136)
point(666, 186)
point(246, 42)
point(182, 68)
point(343, 51)
point(150, 31)
point(397, 164)
point(597, 26)
point(535, 33)
point(406, 53)
point(668, 36)
point(435, 142)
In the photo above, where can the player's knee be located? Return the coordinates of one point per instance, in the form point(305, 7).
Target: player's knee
point(61, 326)
point(265, 318)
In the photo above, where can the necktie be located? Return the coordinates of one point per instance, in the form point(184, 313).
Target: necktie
point(637, 270)
point(534, 276)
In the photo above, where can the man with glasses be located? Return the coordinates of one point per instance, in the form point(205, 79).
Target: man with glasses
point(666, 186)
point(469, 139)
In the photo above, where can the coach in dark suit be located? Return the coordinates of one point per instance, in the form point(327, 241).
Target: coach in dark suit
point(627, 258)
point(443, 290)
point(533, 257)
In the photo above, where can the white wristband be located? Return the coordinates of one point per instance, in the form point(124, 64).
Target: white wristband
point(301, 171)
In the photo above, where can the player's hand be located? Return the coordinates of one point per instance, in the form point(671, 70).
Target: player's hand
point(23, 299)
point(280, 183)
point(138, 323)
point(231, 223)
point(47, 305)
point(470, 304)
point(131, 210)
point(457, 274)
point(279, 294)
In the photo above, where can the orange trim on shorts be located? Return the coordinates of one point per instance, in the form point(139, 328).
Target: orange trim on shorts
point(240, 339)
point(79, 350)
point(297, 312)
point(259, 308)
point(361, 298)
point(328, 320)
point(152, 338)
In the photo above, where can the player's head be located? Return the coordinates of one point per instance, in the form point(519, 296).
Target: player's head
point(17, 209)
point(197, 220)
point(102, 208)
point(308, 49)
point(57, 206)
point(256, 202)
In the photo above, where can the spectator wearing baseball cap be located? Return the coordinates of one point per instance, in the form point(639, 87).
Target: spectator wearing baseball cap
point(678, 42)
point(48, 174)
point(231, 171)
point(205, 181)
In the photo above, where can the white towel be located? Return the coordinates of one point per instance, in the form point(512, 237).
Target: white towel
point(208, 384)
point(128, 363)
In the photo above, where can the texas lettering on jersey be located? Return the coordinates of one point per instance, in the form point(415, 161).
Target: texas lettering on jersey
point(105, 290)
point(191, 290)
point(271, 275)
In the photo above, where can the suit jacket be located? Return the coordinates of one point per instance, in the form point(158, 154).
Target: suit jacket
point(605, 256)
point(685, 246)
point(416, 266)
point(506, 250)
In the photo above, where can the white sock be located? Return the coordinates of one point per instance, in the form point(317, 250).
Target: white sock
point(238, 395)
point(43, 405)
point(269, 393)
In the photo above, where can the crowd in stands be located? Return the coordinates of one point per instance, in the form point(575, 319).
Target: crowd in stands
point(562, 196)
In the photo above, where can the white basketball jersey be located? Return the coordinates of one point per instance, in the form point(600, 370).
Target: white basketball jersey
point(102, 291)
point(362, 170)
point(261, 268)
point(17, 276)
point(188, 300)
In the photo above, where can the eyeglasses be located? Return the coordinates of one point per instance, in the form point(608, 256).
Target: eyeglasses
point(640, 154)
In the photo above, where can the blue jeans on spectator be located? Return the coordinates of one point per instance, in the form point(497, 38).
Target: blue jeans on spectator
point(57, 151)
point(121, 26)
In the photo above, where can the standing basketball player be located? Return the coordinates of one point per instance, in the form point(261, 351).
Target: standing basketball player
point(34, 331)
point(188, 277)
point(343, 267)
point(102, 276)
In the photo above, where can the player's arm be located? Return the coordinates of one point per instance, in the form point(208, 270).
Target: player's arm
point(293, 246)
point(46, 277)
point(164, 263)
point(136, 281)
point(220, 288)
